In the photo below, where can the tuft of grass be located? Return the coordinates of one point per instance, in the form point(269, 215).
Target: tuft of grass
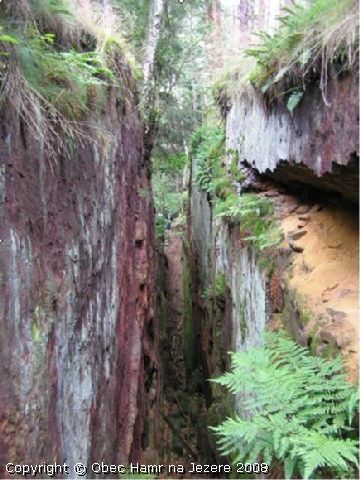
point(106, 25)
point(311, 37)
point(58, 60)
point(72, 82)
point(232, 80)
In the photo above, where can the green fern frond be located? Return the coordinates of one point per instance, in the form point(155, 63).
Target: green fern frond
point(295, 408)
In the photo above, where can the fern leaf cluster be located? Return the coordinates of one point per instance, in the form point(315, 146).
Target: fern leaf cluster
point(207, 147)
point(254, 215)
point(295, 408)
point(252, 212)
point(310, 36)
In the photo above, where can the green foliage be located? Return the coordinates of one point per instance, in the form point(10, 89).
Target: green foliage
point(172, 164)
point(207, 293)
point(252, 212)
point(51, 7)
point(220, 286)
point(294, 100)
point(208, 144)
point(62, 61)
point(169, 199)
point(177, 95)
point(310, 35)
point(204, 176)
point(234, 169)
point(296, 409)
point(179, 73)
point(217, 290)
point(8, 38)
point(254, 215)
point(134, 15)
point(72, 82)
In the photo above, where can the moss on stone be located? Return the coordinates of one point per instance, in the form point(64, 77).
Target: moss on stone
point(189, 333)
point(242, 321)
point(35, 326)
point(221, 408)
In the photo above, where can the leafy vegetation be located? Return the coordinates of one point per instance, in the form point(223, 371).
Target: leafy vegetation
point(170, 201)
point(134, 18)
point(180, 71)
point(296, 409)
point(72, 82)
point(174, 107)
point(212, 174)
point(311, 36)
point(208, 148)
point(58, 61)
point(217, 290)
point(252, 212)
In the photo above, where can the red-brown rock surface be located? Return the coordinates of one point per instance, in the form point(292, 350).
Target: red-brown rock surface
point(76, 293)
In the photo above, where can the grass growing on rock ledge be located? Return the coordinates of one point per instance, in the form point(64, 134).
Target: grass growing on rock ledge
point(58, 60)
point(311, 37)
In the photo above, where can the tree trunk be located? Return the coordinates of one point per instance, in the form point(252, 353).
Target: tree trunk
point(155, 17)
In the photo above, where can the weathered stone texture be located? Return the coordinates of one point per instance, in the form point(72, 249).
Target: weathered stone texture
point(237, 260)
point(76, 293)
point(312, 143)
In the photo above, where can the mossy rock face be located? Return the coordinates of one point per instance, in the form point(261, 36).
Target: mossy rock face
point(189, 333)
point(296, 317)
point(242, 321)
point(36, 326)
point(220, 287)
point(221, 408)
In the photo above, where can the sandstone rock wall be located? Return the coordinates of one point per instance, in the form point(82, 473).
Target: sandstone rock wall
point(313, 146)
point(247, 283)
point(310, 159)
point(76, 293)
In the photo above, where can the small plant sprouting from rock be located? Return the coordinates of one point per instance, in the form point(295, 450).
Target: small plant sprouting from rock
point(217, 290)
point(254, 214)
